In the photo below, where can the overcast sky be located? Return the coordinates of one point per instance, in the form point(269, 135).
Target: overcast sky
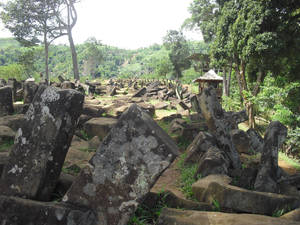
point(128, 23)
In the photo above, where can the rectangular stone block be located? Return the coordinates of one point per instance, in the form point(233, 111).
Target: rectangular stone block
point(42, 143)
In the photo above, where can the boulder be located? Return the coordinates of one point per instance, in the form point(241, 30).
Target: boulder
point(12, 83)
point(240, 140)
point(99, 126)
point(199, 146)
point(6, 101)
point(67, 85)
point(242, 200)
point(213, 161)
point(124, 168)
point(269, 172)
point(256, 142)
point(190, 217)
point(2, 82)
point(30, 89)
point(161, 105)
point(42, 143)
point(113, 91)
point(18, 211)
point(93, 111)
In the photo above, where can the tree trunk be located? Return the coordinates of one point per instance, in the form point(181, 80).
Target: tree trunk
point(46, 45)
point(225, 91)
point(74, 55)
point(229, 80)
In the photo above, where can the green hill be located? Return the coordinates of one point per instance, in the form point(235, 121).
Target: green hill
point(8, 42)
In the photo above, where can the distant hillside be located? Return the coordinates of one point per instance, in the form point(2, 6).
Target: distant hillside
point(8, 42)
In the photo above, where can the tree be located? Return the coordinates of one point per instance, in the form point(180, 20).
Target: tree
point(179, 51)
point(32, 22)
point(92, 57)
point(256, 36)
point(67, 15)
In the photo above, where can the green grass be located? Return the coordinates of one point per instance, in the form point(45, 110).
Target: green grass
point(289, 161)
point(187, 177)
point(145, 215)
point(6, 145)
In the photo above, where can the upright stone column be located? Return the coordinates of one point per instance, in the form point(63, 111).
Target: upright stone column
point(269, 172)
point(30, 88)
point(41, 145)
point(218, 124)
point(6, 101)
point(12, 82)
point(124, 168)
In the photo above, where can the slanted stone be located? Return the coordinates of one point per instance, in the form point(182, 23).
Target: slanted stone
point(218, 125)
point(161, 105)
point(255, 140)
point(6, 101)
point(17, 211)
point(240, 140)
point(199, 146)
point(30, 88)
point(170, 216)
point(293, 215)
point(42, 143)
point(213, 161)
point(61, 79)
point(93, 111)
point(99, 126)
point(113, 91)
point(242, 200)
point(140, 92)
point(124, 168)
point(183, 105)
point(269, 172)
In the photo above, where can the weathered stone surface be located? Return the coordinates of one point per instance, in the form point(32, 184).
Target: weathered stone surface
point(12, 83)
point(269, 173)
point(99, 126)
point(13, 121)
point(242, 200)
point(237, 117)
point(293, 215)
point(92, 111)
point(30, 88)
point(161, 105)
point(42, 144)
point(6, 101)
point(240, 140)
point(218, 124)
point(125, 166)
point(213, 161)
point(67, 85)
point(169, 199)
point(199, 188)
point(2, 82)
point(18, 211)
point(199, 146)
point(113, 91)
point(171, 117)
point(189, 217)
point(255, 140)
point(140, 92)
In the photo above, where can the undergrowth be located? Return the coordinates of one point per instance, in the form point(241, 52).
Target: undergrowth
point(6, 145)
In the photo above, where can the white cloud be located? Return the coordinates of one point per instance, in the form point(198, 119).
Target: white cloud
point(128, 23)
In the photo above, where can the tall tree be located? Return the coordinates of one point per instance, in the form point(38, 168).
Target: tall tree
point(92, 57)
point(67, 15)
point(256, 36)
point(32, 22)
point(179, 51)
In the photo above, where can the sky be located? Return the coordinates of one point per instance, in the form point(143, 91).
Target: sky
point(128, 24)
